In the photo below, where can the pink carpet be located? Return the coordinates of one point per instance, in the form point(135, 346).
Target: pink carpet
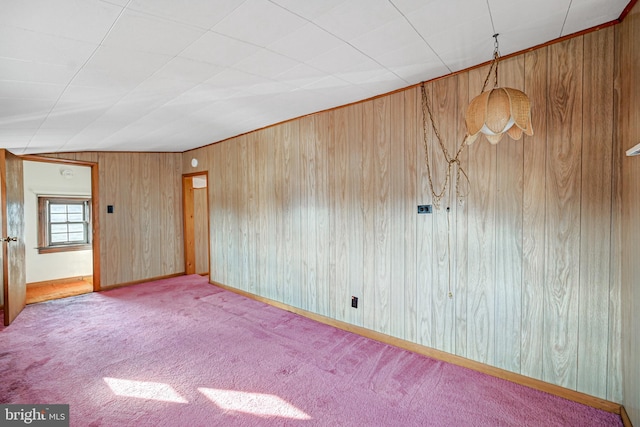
point(181, 352)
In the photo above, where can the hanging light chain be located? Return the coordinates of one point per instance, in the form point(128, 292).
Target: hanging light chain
point(437, 196)
point(494, 64)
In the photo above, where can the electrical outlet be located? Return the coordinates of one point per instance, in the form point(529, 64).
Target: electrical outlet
point(424, 209)
point(354, 302)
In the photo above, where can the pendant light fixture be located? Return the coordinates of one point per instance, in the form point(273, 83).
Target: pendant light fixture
point(499, 110)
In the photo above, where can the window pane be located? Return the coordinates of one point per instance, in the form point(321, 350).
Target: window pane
point(74, 228)
point(74, 208)
point(58, 217)
point(76, 237)
point(75, 217)
point(57, 208)
point(58, 228)
point(58, 238)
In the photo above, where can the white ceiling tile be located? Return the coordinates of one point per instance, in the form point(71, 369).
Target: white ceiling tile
point(419, 72)
point(74, 115)
point(339, 60)
point(219, 49)
point(85, 20)
point(21, 70)
point(544, 21)
point(269, 22)
point(446, 16)
point(305, 43)
point(389, 38)
point(351, 19)
point(187, 69)
point(18, 89)
point(119, 68)
point(23, 112)
point(43, 49)
point(266, 64)
point(201, 13)
point(381, 83)
point(301, 75)
point(146, 33)
point(308, 9)
point(590, 13)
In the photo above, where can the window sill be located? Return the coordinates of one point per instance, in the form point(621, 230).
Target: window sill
point(65, 248)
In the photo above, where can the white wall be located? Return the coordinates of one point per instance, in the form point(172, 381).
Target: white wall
point(45, 179)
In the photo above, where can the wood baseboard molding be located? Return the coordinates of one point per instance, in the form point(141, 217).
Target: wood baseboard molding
point(137, 282)
point(626, 421)
point(536, 384)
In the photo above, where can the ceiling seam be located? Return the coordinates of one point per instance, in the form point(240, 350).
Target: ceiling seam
point(566, 16)
point(113, 24)
point(339, 38)
point(126, 7)
point(420, 35)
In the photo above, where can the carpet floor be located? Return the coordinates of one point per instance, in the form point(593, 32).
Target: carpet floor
point(181, 352)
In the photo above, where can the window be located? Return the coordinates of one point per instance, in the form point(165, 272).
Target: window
point(64, 224)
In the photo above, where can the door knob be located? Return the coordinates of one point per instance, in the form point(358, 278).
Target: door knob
point(8, 239)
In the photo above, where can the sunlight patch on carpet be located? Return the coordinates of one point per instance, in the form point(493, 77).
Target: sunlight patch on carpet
point(144, 390)
point(263, 405)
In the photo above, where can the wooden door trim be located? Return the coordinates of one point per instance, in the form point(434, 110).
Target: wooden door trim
point(188, 221)
point(95, 206)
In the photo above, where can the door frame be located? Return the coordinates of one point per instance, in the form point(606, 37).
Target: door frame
point(188, 222)
point(95, 207)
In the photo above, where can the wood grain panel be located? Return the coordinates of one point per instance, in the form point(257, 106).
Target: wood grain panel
point(292, 218)
point(339, 155)
point(412, 144)
point(382, 212)
point(148, 217)
point(614, 359)
point(250, 159)
point(424, 224)
point(533, 218)
point(595, 215)
point(444, 106)
point(482, 241)
point(355, 215)
point(243, 212)
point(217, 213)
point(629, 122)
point(367, 302)
point(308, 250)
point(397, 205)
point(460, 227)
point(509, 199)
point(562, 264)
point(324, 132)
point(170, 229)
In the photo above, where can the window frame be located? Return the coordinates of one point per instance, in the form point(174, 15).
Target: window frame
point(44, 224)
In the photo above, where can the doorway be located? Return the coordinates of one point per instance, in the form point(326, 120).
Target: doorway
point(61, 214)
point(195, 208)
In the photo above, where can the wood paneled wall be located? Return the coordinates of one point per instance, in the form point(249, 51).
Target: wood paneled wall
point(315, 210)
point(627, 42)
point(142, 239)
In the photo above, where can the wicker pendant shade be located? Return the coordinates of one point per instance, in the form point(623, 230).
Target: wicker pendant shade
point(499, 110)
